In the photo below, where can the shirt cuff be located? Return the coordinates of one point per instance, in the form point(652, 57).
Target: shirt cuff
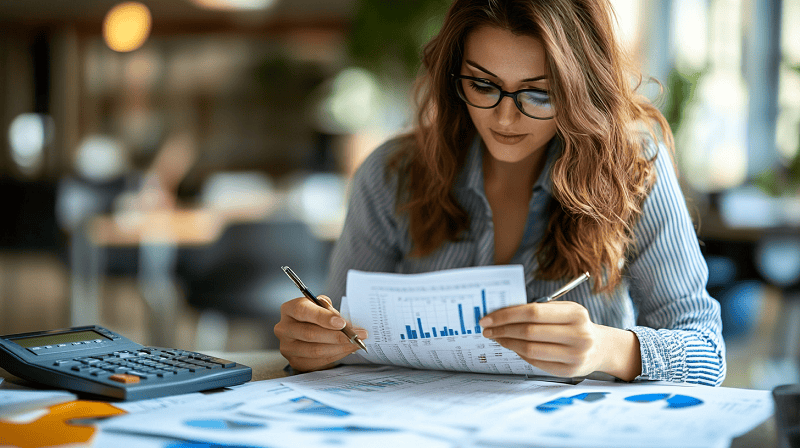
point(663, 355)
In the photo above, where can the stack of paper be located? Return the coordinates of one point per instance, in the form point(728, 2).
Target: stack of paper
point(390, 406)
point(15, 402)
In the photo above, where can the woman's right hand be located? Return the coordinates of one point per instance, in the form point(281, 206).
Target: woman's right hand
point(310, 336)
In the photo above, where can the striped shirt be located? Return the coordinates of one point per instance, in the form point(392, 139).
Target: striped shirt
point(662, 298)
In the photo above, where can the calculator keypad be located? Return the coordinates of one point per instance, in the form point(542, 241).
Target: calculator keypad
point(147, 363)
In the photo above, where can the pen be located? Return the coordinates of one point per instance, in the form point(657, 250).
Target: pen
point(347, 330)
point(564, 289)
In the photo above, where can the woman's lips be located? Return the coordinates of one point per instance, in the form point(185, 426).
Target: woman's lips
point(507, 139)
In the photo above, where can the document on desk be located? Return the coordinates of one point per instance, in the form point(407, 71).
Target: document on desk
point(392, 406)
point(460, 398)
point(618, 415)
point(269, 414)
point(15, 402)
point(430, 320)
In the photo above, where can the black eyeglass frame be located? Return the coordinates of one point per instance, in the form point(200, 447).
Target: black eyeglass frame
point(503, 94)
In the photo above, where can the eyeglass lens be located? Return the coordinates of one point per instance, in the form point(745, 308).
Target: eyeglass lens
point(533, 103)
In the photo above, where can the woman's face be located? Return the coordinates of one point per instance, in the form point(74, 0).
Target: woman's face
point(513, 62)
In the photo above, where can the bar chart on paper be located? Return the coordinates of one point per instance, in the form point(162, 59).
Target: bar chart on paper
point(427, 317)
point(447, 304)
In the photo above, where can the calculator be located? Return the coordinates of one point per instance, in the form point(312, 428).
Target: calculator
point(98, 361)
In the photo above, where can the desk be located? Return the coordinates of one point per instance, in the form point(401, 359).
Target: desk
point(269, 364)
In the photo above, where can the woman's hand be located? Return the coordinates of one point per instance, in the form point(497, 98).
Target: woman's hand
point(310, 336)
point(560, 338)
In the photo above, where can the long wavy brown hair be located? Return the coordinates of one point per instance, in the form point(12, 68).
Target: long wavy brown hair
point(603, 174)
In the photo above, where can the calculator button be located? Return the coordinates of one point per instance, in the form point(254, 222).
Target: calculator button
point(223, 362)
point(124, 378)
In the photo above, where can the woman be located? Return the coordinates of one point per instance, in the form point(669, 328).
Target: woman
point(531, 147)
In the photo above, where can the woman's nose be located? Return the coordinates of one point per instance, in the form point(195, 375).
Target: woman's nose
point(506, 112)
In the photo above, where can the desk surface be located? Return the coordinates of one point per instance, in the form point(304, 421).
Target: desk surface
point(269, 364)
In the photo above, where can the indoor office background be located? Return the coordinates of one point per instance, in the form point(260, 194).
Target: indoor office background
point(161, 160)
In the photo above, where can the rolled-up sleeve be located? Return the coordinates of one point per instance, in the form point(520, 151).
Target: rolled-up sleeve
point(370, 237)
point(678, 325)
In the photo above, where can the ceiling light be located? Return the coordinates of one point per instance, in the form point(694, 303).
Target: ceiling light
point(127, 26)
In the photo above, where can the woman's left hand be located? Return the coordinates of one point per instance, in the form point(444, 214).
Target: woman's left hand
point(560, 338)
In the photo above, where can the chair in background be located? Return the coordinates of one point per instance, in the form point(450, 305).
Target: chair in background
point(240, 276)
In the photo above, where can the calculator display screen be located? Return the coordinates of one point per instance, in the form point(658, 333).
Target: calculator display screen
point(60, 338)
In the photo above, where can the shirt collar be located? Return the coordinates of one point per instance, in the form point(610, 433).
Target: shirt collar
point(471, 177)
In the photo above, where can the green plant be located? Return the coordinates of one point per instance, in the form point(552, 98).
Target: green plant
point(680, 91)
point(388, 35)
point(783, 180)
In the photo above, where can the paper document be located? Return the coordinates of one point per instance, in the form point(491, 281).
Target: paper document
point(269, 414)
point(633, 415)
point(14, 402)
point(385, 406)
point(430, 321)
point(423, 395)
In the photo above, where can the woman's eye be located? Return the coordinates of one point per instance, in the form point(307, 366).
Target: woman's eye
point(538, 97)
point(481, 87)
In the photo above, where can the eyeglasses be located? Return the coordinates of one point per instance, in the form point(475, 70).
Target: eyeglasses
point(484, 94)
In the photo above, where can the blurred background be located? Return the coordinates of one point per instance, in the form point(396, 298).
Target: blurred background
point(162, 159)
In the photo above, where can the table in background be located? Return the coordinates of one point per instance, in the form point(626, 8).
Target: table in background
point(157, 235)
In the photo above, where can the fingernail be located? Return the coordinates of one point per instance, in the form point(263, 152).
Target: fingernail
point(338, 322)
point(485, 322)
point(488, 332)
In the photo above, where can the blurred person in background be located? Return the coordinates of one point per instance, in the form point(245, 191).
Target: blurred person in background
point(532, 147)
point(159, 189)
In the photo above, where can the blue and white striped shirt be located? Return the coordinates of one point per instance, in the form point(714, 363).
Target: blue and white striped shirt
point(662, 297)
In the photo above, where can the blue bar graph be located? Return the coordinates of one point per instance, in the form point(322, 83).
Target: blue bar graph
point(416, 330)
point(461, 319)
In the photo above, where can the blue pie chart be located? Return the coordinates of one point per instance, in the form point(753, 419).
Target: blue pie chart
point(674, 401)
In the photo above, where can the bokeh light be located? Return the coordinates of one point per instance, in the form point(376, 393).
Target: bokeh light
point(27, 137)
point(127, 26)
point(101, 158)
